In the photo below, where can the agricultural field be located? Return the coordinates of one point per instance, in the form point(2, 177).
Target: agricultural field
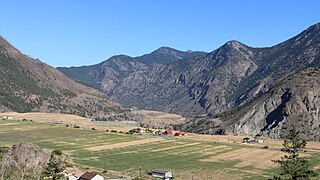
point(147, 117)
point(187, 157)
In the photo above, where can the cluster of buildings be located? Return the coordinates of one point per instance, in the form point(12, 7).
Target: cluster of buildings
point(6, 117)
point(163, 174)
point(167, 132)
point(170, 132)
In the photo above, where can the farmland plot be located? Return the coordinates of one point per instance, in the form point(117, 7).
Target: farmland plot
point(131, 153)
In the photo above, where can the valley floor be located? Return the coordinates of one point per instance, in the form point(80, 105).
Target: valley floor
point(192, 156)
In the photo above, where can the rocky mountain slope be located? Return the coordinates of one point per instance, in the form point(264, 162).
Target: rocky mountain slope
point(295, 101)
point(27, 84)
point(200, 83)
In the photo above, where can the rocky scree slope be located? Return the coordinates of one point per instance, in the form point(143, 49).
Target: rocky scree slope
point(295, 101)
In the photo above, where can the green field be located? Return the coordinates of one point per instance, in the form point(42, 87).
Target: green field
point(182, 156)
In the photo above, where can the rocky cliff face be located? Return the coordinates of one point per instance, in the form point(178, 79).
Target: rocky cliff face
point(200, 83)
point(24, 161)
point(27, 84)
point(295, 101)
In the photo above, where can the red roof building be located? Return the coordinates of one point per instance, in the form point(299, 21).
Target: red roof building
point(91, 176)
point(168, 132)
point(179, 133)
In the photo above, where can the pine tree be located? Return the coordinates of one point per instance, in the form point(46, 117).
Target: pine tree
point(55, 165)
point(292, 166)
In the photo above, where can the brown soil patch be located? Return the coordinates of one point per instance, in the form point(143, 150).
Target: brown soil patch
point(124, 144)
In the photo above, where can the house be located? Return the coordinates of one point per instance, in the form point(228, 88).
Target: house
point(246, 140)
point(164, 174)
point(56, 121)
point(70, 176)
point(179, 133)
point(168, 132)
point(137, 130)
point(91, 176)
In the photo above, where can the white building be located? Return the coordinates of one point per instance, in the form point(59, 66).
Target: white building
point(164, 174)
point(91, 176)
point(70, 176)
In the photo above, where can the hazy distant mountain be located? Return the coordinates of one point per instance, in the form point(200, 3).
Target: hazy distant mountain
point(194, 83)
point(27, 84)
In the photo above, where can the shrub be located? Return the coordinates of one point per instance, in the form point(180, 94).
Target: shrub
point(114, 131)
point(57, 152)
point(76, 126)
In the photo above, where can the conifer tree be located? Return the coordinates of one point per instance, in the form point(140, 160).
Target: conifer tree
point(294, 167)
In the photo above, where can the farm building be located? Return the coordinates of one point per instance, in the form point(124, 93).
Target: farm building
point(91, 176)
point(164, 174)
point(56, 121)
point(179, 133)
point(70, 176)
point(168, 132)
point(6, 117)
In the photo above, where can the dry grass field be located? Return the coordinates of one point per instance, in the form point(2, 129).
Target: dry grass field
point(84, 123)
point(157, 117)
point(153, 117)
point(193, 156)
point(271, 143)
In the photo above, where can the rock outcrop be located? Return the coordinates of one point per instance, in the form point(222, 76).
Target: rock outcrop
point(295, 101)
point(25, 161)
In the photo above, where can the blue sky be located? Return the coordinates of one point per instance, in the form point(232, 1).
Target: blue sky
point(84, 32)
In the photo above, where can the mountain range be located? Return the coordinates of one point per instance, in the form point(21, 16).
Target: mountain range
point(295, 101)
point(27, 84)
point(197, 83)
point(233, 90)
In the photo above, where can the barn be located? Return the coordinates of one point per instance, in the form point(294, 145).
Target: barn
point(179, 133)
point(168, 132)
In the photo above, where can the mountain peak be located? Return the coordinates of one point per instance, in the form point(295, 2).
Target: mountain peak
point(165, 50)
point(234, 43)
